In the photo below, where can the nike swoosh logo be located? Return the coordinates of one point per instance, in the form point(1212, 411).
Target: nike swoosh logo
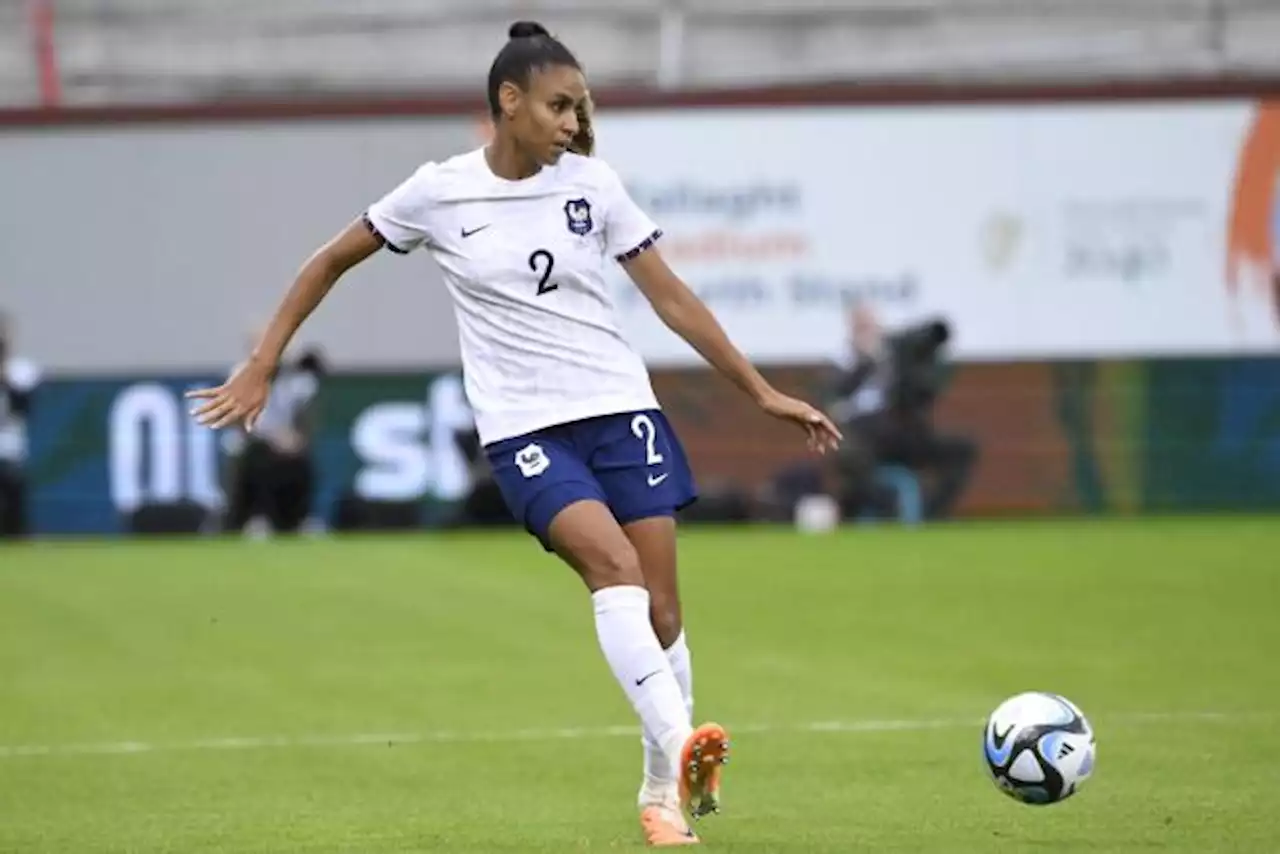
point(645, 679)
point(654, 481)
point(466, 234)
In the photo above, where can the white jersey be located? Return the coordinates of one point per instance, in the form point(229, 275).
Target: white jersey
point(525, 264)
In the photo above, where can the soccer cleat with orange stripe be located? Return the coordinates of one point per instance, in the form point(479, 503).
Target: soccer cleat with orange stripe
point(664, 827)
point(703, 755)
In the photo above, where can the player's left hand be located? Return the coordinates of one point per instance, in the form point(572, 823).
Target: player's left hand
point(823, 434)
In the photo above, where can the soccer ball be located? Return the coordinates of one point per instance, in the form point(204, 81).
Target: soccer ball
point(1038, 747)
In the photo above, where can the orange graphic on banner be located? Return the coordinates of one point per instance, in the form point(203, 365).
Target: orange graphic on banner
point(1251, 236)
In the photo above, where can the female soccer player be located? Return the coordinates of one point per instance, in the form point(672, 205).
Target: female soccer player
point(521, 229)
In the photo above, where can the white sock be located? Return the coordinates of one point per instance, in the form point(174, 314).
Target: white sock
point(659, 774)
point(641, 667)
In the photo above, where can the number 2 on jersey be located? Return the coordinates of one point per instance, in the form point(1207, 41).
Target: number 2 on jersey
point(550, 260)
point(642, 427)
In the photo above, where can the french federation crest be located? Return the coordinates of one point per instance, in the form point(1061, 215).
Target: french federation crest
point(532, 460)
point(578, 215)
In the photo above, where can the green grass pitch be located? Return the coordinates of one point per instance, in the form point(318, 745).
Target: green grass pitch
point(445, 693)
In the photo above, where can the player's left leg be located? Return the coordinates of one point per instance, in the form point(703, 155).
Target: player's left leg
point(654, 539)
point(642, 467)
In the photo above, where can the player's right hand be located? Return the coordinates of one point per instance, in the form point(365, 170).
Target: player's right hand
point(240, 399)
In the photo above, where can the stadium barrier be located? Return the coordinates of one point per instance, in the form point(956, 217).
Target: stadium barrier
point(1054, 438)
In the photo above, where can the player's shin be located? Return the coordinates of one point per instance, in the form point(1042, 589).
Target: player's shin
point(641, 667)
point(659, 784)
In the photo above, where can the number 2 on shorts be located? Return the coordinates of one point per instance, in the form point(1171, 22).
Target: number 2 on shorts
point(642, 427)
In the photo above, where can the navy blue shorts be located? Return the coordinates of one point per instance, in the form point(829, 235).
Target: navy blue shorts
point(632, 462)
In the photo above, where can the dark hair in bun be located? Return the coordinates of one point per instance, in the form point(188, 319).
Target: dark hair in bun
point(531, 46)
point(527, 30)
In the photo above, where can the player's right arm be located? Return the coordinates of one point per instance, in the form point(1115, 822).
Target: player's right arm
point(242, 397)
point(398, 221)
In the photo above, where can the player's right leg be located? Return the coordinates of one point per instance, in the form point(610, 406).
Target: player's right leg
point(552, 490)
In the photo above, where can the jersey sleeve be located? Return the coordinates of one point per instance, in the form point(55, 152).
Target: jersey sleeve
point(402, 218)
point(628, 230)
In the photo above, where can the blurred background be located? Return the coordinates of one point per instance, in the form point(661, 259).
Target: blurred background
point(1025, 251)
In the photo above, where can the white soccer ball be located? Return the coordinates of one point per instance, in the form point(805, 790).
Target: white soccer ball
point(1038, 747)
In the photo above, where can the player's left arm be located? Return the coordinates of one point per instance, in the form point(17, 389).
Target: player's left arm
point(688, 316)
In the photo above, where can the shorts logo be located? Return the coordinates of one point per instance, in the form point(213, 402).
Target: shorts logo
point(578, 214)
point(532, 460)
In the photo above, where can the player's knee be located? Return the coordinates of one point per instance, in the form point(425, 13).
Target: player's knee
point(616, 565)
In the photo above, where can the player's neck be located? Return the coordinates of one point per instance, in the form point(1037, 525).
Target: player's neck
point(508, 162)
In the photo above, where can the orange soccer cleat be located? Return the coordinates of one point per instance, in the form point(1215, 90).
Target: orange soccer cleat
point(665, 827)
point(703, 755)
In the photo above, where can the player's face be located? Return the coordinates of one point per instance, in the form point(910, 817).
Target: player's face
point(548, 120)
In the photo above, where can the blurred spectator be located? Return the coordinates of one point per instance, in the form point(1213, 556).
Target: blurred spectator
point(18, 379)
point(484, 505)
point(883, 398)
point(271, 474)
